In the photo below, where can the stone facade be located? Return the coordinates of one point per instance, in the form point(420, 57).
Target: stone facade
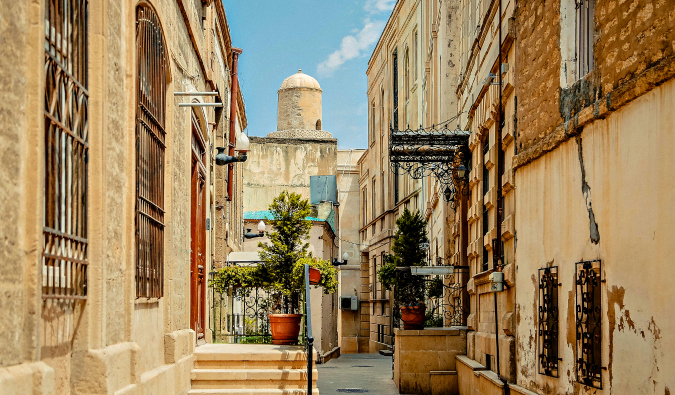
point(112, 341)
point(587, 146)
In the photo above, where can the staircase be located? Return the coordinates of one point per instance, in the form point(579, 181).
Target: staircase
point(251, 369)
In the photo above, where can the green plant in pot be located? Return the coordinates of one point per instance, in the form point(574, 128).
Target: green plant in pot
point(282, 265)
point(407, 250)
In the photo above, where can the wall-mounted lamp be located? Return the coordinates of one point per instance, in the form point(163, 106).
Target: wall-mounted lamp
point(242, 144)
point(344, 260)
point(261, 231)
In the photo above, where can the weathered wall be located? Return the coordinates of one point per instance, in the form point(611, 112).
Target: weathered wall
point(275, 165)
point(21, 109)
point(625, 163)
point(299, 108)
point(424, 360)
point(112, 342)
point(633, 53)
point(349, 322)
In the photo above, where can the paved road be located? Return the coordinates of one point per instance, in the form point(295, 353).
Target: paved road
point(370, 373)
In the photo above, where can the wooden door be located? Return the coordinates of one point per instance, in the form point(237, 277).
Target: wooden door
point(198, 214)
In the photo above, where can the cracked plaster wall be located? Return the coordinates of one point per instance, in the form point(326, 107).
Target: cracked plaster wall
point(628, 162)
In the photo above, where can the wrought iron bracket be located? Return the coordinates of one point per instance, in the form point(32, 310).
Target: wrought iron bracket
point(442, 153)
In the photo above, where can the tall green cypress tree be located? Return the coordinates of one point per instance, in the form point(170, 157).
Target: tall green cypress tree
point(287, 246)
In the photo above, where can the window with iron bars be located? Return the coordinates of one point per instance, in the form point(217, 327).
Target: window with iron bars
point(584, 31)
point(548, 321)
point(150, 162)
point(65, 244)
point(589, 323)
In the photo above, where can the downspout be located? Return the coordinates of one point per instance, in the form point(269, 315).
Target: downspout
point(497, 247)
point(233, 119)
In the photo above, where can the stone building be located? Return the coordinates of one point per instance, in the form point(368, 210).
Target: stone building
point(568, 104)
point(595, 149)
point(107, 189)
point(290, 158)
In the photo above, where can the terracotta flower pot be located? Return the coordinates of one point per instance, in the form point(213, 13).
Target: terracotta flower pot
point(314, 276)
point(285, 328)
point(413, 316)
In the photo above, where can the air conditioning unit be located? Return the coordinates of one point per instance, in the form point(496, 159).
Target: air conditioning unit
point(349, 303)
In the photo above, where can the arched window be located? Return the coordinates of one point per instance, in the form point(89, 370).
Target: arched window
point(318, 124)
point(64, 266)
point(150, 135)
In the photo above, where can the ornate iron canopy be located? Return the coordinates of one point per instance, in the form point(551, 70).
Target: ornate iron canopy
point(441, 152)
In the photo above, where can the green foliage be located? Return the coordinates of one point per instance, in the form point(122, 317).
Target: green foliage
point(411, 233)
point(435, 288)
point(328, 281)
point(236, 276)
point(407, 251)
point(432, 320)
point(387, 272)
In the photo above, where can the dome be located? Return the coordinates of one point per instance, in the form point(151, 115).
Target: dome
point(300, 80)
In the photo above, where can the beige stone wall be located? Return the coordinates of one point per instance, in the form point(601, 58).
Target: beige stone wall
point(349, 322)
point(424, 360)
point(299, 108)
point(275, 165)
point(112, 343)
point(625, 160)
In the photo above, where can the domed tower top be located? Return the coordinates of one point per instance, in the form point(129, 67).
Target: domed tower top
point(300, 80)
point(299, 108)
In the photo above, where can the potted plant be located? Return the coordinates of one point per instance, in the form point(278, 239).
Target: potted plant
point(407, 250)
point(282, 265)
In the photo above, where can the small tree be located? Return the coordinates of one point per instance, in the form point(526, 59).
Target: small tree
point(287, 247)
point(407, 251)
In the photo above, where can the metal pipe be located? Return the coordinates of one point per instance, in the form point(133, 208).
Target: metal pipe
point(308, 331)
point(233, 118)
point(195, 93)
point(195, 104)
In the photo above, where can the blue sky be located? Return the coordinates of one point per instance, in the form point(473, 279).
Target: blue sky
point(331, 40)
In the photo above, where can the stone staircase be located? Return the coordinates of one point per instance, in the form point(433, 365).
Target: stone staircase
point(251, 369)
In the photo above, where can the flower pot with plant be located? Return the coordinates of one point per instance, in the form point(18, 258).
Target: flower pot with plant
point(407, 250)
point(282, 265)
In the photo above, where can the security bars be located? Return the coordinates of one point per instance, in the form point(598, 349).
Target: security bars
point(548, 321)
point(150, 134)
point(64, 256)
point(588, 323)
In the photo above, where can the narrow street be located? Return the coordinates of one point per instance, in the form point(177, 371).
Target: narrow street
point(356, 374)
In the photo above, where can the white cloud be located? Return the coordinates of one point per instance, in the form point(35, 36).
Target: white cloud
point(352, 46)
point(377, 6)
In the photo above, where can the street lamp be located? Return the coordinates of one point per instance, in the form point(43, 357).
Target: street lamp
point(242, 145)
point(261, 231)
point(344, 260)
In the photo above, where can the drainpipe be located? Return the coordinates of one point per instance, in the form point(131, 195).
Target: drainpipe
point(233, 120)
point(497, 245)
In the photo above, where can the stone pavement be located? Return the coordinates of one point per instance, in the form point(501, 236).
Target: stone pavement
point(369, 373)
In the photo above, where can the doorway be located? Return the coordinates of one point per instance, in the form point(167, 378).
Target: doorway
point(198, 213)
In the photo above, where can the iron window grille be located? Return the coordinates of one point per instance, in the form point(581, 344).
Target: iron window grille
point(585, 14)
point(548, 321)
point(64, 254)
point(589, 323)
point(150, 135)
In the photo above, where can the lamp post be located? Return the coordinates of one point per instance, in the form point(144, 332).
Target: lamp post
point(344, 260)
point(242, 145)
point(261, 231)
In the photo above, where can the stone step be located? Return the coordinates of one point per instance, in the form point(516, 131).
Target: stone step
point(248, 352)
point(258, 391)
point(243, 384)
point(262, 364)
point(279, 375)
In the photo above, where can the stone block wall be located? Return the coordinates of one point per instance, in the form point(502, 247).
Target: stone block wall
point(424, 360)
